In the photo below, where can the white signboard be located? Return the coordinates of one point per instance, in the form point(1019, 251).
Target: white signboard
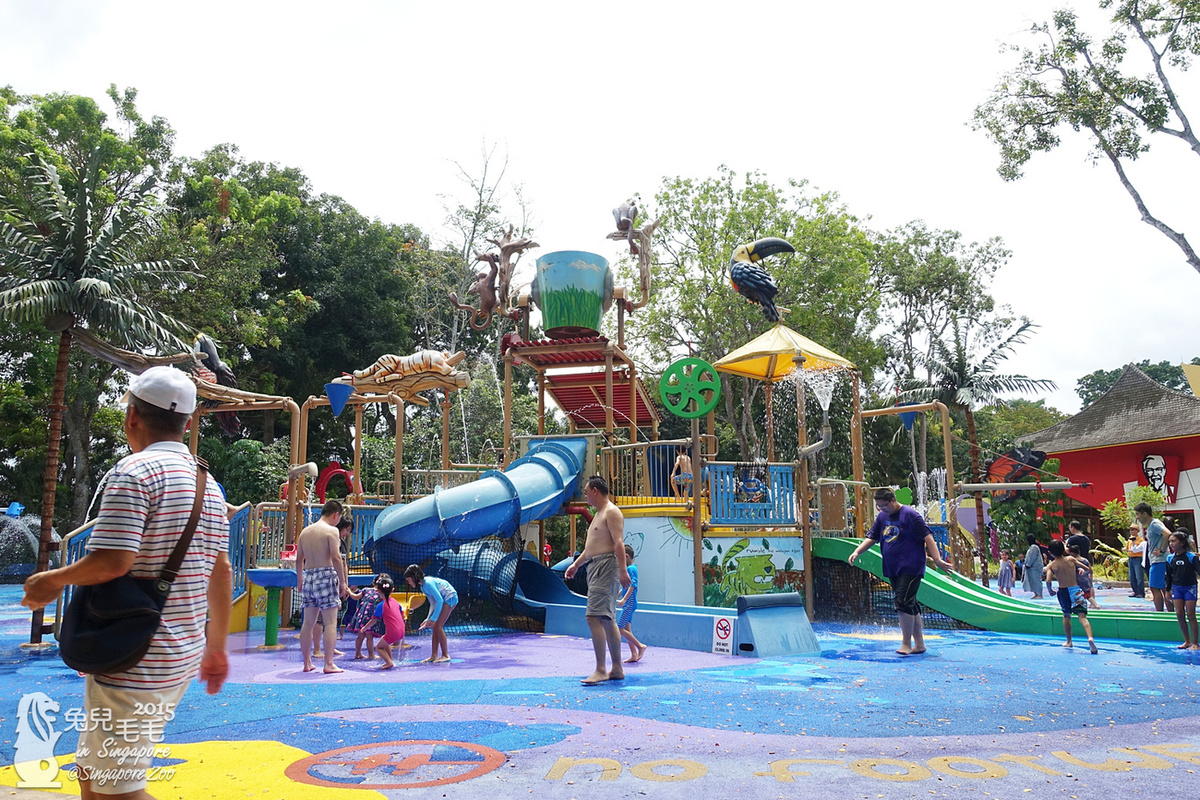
point(723, 635)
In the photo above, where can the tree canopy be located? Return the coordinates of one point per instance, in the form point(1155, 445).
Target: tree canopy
point(1119, 91)
point(1095, 384)
point(826, 284)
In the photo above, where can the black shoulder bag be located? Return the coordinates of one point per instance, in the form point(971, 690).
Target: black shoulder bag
point(107, 628)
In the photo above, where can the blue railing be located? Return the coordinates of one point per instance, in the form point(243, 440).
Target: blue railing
point(239, 552)
point(751, 494)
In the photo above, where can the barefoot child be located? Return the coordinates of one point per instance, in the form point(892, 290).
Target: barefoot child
point(628, 604)
point(681, 473)
point(1005, 580)
point(1182, 569)
point(1083, 575)
point(364, 622)
point(442, 600)
point(1070, 597)
point(392, 614)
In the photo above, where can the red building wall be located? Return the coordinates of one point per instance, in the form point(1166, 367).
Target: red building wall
point(1108, 469)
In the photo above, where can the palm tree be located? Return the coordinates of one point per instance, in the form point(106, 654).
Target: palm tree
point(965, 384)
point(70, 261)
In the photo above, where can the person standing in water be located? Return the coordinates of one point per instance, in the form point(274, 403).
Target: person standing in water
point(604, 552)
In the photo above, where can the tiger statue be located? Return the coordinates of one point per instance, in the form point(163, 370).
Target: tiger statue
point(393, 366)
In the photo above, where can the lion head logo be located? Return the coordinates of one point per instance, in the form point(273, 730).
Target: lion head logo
point(34, 759)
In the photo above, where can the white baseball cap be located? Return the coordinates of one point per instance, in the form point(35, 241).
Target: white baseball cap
point(164, 387)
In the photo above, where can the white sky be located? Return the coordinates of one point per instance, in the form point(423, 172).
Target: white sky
point(592, 102)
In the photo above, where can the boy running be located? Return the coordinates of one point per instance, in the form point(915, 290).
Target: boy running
point(1070, 596)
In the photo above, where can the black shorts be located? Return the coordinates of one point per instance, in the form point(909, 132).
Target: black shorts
point(905, 589)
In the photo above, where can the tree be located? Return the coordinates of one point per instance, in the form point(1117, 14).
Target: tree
point(967, 382)
point(1094, 385)
point(1069, 80)
point(64, 131)
point(826, 283)
point(71, 261)
point(1030, 511)
point(1004, 427)
point(927, 280)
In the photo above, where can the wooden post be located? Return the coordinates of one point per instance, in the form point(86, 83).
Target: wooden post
point(608, 392)
point(398, 466)
point(767, 390)
point(633, 411)
point(508, 365)
point(541, 386)
point(358, 434)
point(856, 453)
point(802, 487)
point(445, 429)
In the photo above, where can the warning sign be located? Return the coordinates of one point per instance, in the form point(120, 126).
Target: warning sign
point(723, 635)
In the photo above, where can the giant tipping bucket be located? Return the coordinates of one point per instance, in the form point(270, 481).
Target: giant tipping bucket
point(573, 289)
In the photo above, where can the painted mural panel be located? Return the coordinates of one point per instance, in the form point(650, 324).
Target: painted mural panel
point(751, 565)
point(662, 548)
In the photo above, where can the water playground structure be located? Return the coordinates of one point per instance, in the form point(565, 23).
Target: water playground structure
point(740, 563)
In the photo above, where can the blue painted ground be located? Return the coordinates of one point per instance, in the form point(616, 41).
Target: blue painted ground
point(980, 692)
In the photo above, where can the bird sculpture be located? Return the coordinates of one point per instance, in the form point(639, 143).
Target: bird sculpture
point(752, 281)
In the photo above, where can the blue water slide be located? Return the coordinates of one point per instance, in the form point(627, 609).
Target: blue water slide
point(533, 487)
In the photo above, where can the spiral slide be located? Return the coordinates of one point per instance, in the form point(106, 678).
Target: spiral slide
point(533, 487)
point(962, 599)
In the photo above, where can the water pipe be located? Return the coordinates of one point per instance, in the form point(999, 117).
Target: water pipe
point(581, 510)
point(808, 451)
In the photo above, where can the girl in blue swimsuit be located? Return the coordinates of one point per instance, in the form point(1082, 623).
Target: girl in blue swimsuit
point(442, 600)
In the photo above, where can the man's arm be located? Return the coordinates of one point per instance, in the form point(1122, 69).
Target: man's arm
point(98, 566)
point(335, 554)
point(616, 529)
point(214, 666)
point(300, 562)
point(931, 549)
point(863, 547)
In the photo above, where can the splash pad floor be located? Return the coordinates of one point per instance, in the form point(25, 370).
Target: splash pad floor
point(995, 714)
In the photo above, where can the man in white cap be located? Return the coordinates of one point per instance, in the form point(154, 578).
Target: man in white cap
point(147, 500)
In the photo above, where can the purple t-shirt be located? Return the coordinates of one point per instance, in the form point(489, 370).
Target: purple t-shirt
point(901, 536)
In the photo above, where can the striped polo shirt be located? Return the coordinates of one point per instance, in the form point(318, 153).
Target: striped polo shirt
point(146, 503)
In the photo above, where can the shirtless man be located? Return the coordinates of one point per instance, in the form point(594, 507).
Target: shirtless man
point(321, 581)
point(681, 473)
point(1065, 570)
point(605, 550)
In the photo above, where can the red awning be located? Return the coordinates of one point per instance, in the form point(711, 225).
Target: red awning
point(582, 397)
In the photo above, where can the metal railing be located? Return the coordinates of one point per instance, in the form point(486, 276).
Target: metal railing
point(640, 474)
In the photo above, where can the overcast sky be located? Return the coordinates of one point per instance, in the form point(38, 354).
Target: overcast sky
point(591, 102)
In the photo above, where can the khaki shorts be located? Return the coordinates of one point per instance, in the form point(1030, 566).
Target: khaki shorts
point(124, 733)
point(604, 588)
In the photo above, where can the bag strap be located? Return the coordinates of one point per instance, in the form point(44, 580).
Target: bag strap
point(171, 570)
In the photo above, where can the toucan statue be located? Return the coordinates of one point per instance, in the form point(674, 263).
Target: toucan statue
point(752, 281)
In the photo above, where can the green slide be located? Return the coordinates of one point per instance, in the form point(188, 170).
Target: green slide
point(961, 599)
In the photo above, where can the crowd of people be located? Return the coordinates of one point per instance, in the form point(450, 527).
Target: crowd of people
point(1159, 559)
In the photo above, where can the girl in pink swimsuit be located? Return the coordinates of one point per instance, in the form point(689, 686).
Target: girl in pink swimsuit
point(392, 614)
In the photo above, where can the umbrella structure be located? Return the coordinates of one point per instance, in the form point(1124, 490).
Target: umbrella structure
point(773, 357)
point(770, 357)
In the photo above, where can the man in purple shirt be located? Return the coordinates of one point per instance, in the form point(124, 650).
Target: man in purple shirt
point(905, 540)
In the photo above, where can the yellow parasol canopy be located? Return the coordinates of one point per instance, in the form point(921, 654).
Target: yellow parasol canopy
point(1192, 372)
point(769, 357)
